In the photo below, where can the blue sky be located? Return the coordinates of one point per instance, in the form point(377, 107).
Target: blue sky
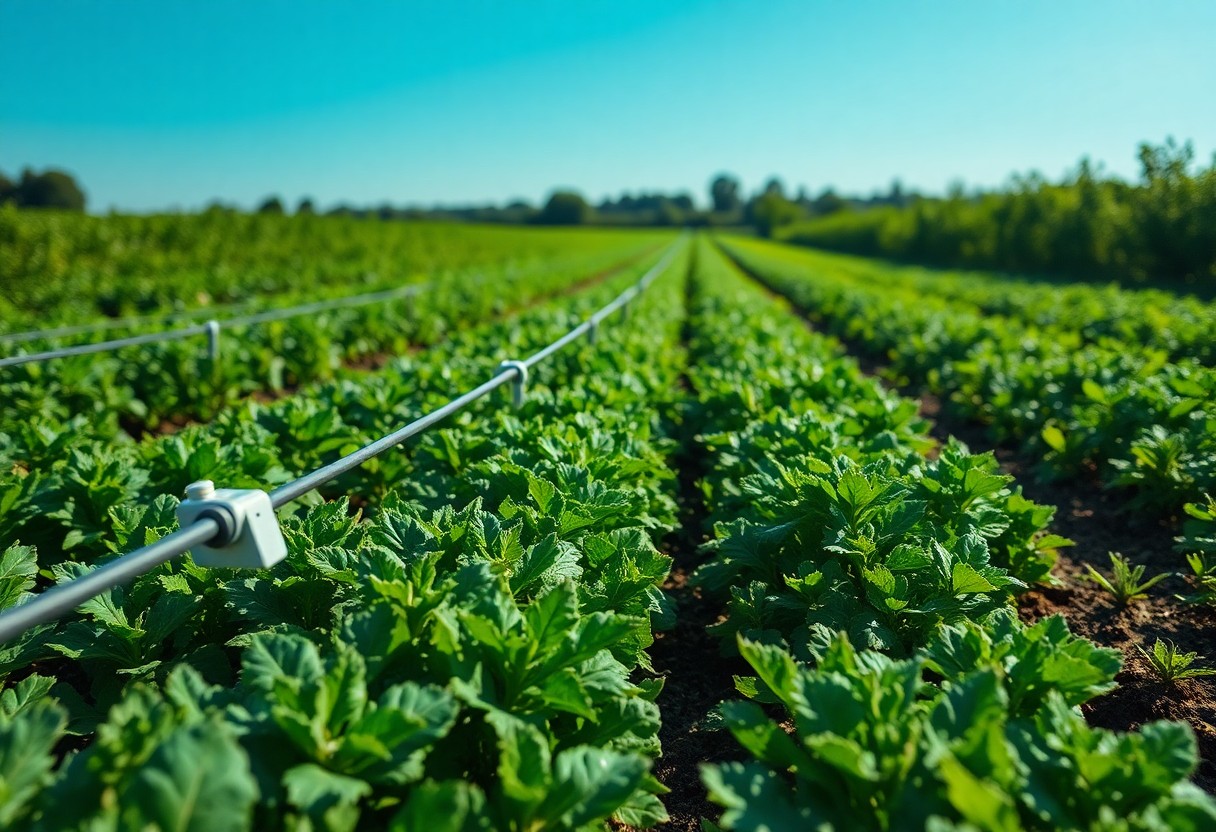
point(171, 104)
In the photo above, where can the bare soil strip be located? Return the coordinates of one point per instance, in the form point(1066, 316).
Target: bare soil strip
point(697, 676)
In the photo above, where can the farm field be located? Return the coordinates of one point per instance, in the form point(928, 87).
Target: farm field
point(786, 540)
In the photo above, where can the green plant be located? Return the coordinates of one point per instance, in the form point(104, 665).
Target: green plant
point(1198, 541)
point(1125, 583)
point(868, 744)
point(1204, 574)
point(1170, 664)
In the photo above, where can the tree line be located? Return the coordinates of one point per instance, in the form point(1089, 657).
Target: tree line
point(1159, 229)
point(1088, 225)
point(727, 206)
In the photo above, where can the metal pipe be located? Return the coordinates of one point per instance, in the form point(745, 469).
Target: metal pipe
point(61, 600)
point(104, 346)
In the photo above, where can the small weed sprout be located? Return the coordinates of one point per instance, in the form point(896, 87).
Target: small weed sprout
point(1170, 665)
point(1126, 583)
point(1204, 572)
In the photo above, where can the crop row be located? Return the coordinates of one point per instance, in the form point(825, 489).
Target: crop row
point(870, 587)
point(143, 387)
point(1111, 408)
point(1179, 325)
point(64, 268)
point(462, 659)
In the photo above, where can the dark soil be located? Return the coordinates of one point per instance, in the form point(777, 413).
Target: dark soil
point(696, 676)
point(1100, 522)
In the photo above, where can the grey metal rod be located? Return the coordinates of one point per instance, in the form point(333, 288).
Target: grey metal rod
point(60, 600)
point(235, 320)
point(104, 346)
point(284, 494)
point(240, 320)
point(170, 335)
point(116, 323)
point(326, 305)
point(573, 335)
point(286, 311)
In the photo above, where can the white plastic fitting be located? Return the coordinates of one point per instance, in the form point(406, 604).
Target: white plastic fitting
point(519, 385)
point(213, 339)
point(249, 535)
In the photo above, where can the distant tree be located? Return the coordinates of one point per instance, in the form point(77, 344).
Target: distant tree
point(49, 189)
point(773, 187)
point(724, 194)
point(306, 207)
point(518, 211)
point(683, 202)
point(271, 205)
point(897, 196)
point(216, 206)
point(770, 211)
point(8, 189)
point(668, 213)
point(1166, 163)
point(564, 208)
point(829, 202)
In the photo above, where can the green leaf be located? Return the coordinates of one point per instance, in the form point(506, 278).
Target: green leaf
point(523, 763)
point(197, 780)
point(541, 491)
point(452, 806)
point(1052, 541)
point(27, 740)
point(345, 684)
point(757, 799)
point(273, 657)
point(551, 618)
point(979, 801)
point(330, 800)
point(564, 692)
point(775, 667)
point(18, 569)
point(590, 784)
point(965, 579)
point(27, 693)
point(545, 565)
point(642, 811)
point(1054, 437)
point(763, 738)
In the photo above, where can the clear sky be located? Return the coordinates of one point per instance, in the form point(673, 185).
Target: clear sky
point(166, 103)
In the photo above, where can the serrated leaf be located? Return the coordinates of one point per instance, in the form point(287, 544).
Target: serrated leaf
point(18, 570)
point(965, 580)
